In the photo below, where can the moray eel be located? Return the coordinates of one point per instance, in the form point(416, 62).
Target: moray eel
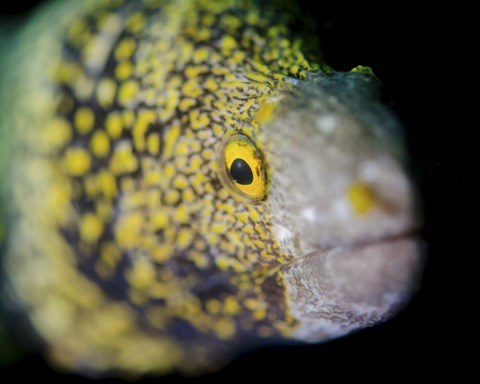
point(186, 180)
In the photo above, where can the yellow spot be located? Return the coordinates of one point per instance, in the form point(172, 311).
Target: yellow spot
point(181, 214)
point(128, 118)
point(170, 107)
point(180, 182)
point(248, 230)
point(238, 57)
point(172, 197)
point(110, 254)
point(123, 160)
point(153, 144)
point(145, 118)
point(114, 125)
point(265, 112)
point(125, 49)
point(200, 55)
point(77, 161)
point(198, 182)
point(361, 197)
point(124, 70)
point(90, 187)
point(248, 104)
point(170, 139)
point(225, 328)
point(100, 144)
point(193, 72)
point(223, 194)
point(84, 120)
point(142, 274)
point(91, 228)
point(253, 304)
point(186, 104)
point(217, 130)
point(211, 84)
point(107, 184)
point(203, 120)
point(200, 260)
point(127, 230)
point(203, 34)
point(128, 92)
point(257, 77)
point(219, 228)
point(135, 22)
point(213, 306)
point(162, 252)
point(223, 263)
point(153, 198)
point(152, 177)
point(169, 171)
point(208, 154)
point(182, 148)
point(184, 238)
point(159, 220)
point(188, 195)
point(228, 208)
point(261, 232)
point(228, 43)
point(259, 314)
point(106, 92)
point(254, 214)
point(191, 88)
point(231, 306)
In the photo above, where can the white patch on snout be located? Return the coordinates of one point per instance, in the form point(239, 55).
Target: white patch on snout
point(342, 209)
point(370, 171)
point(283, 234)
point(309, 214)
point(327, 123)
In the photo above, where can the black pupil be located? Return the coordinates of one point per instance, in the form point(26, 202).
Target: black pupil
point(241, 172)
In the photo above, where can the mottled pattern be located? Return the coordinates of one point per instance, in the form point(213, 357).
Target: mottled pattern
point(134, 255)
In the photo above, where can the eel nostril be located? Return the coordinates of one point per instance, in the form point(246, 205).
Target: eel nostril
point(361, 197)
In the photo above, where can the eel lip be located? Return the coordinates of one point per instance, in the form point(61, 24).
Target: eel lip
point(412, 234)
point(337, 290)
point(381, 273)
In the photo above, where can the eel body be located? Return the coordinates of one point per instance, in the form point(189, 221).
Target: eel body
point(184, 180)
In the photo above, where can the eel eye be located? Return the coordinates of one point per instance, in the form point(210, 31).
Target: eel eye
point(242, 167)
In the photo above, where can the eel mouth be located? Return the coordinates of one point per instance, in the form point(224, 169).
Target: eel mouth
point(408, 235)
point(359, 283)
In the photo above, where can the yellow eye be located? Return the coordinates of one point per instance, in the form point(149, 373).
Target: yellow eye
point(242, 167)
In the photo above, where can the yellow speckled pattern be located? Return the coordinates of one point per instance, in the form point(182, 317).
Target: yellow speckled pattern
point(134, 255)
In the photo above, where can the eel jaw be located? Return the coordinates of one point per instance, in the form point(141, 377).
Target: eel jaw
point(345, 288)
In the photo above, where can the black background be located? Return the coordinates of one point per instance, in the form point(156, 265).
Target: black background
point(425, 54)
